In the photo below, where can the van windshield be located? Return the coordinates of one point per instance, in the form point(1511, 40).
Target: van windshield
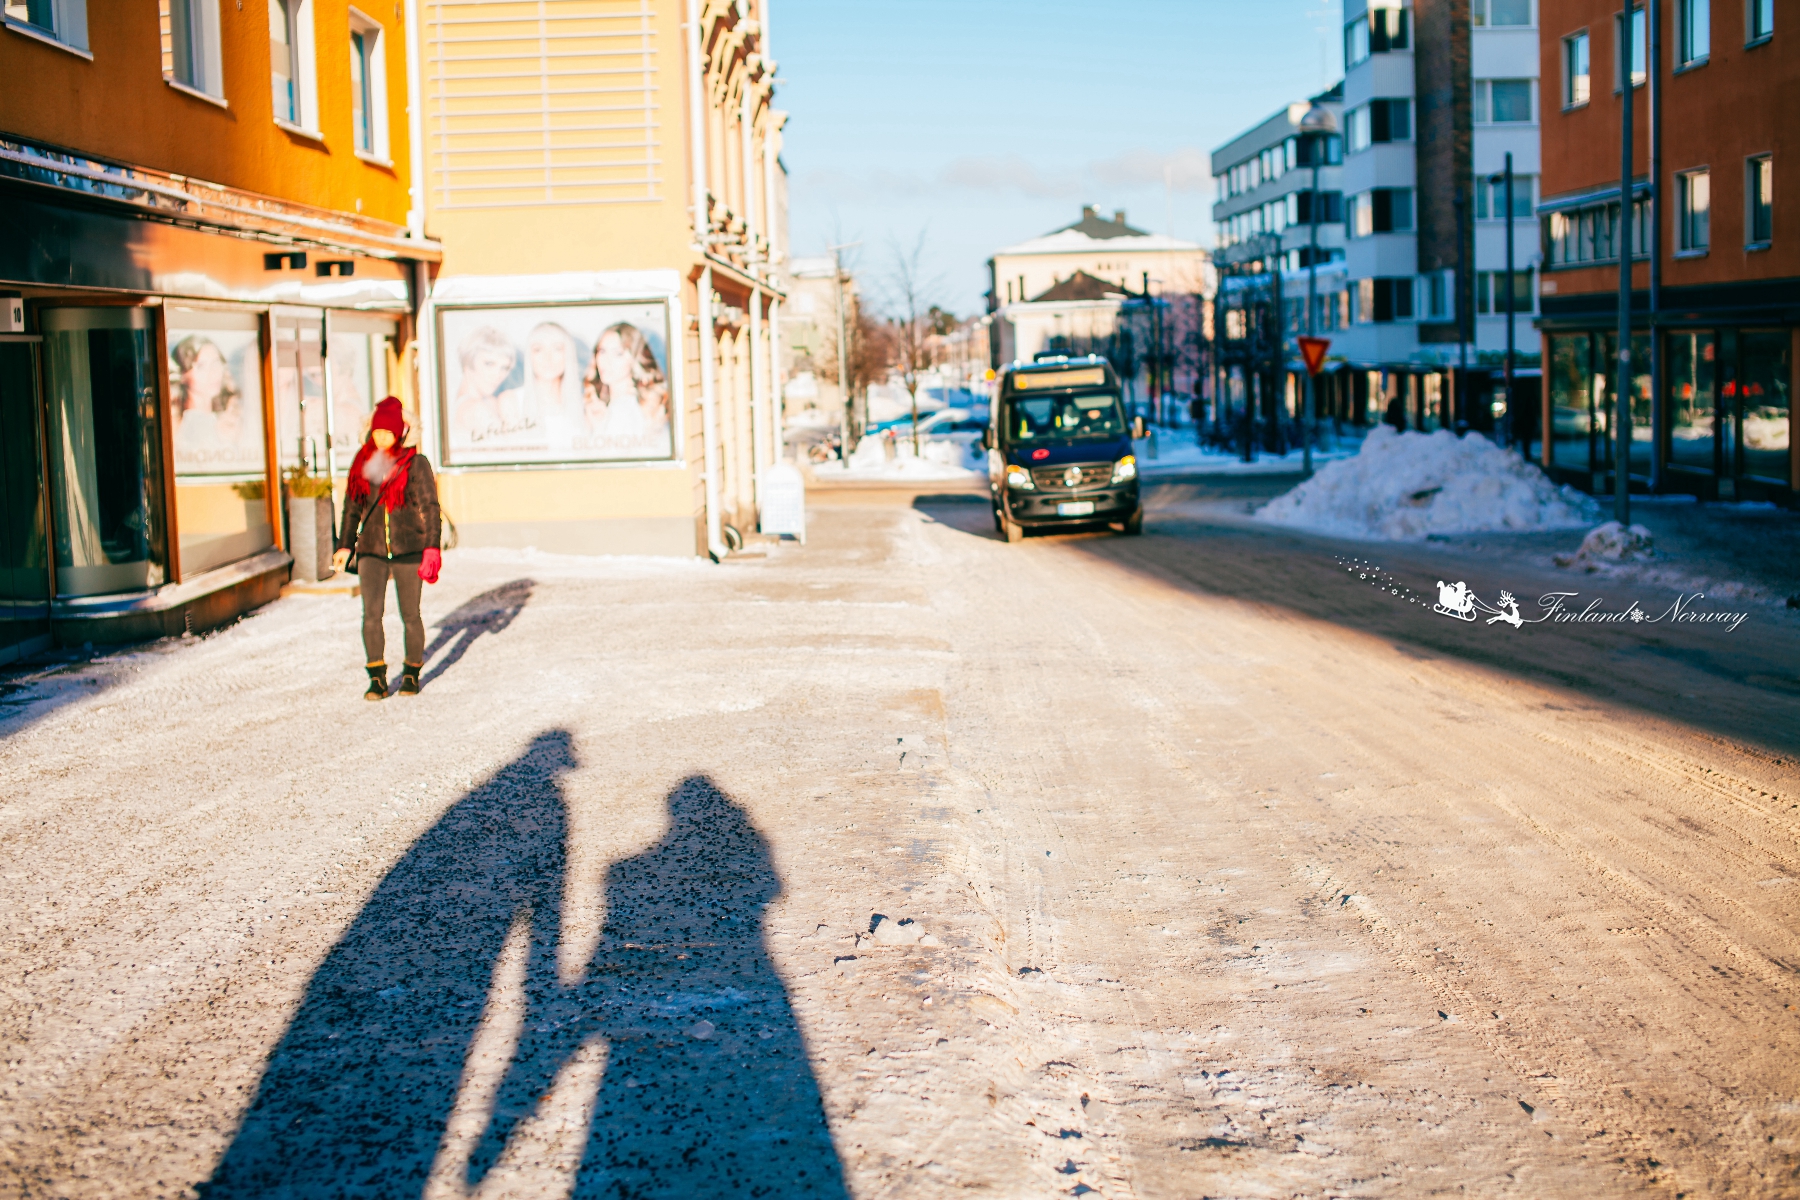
point(1067, 417)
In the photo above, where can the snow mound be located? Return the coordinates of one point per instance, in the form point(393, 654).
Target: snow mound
point(1406, 486)
point(1611, 543)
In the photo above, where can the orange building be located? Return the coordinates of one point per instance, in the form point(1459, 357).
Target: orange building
point(213, 262)
point(1713, 233)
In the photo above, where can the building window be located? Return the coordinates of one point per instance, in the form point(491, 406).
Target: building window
point(1759, 189)
point(1490, 197)
point(1334, 151)
point(1380, 121)
point(291, 64)
point(1502, 101)
point(1590, 234)
point(1300, 206)
point(1439, 286)
point(61, 21)
point(368, 87)
point(1378, 301)
point(1382, 210)
point(1760, 14)
point(1695, 216)
point(1639, 47)
point(1575, 70)
point(1694, 32)
point(1490, 291)
point(1500, 12)
point(190, 46)
point(1381, 30)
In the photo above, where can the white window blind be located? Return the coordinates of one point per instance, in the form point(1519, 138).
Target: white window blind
point(539, 102)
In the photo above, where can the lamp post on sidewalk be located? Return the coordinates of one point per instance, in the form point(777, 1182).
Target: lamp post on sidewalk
point(843, 351)
point(1318, 124)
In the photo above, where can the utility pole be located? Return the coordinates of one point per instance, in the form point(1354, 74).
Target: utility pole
point(843, 350)
point(1464, 316)
point(1622, 389)
point(1321, 124)
point(1659, 406)
point(1511, 299)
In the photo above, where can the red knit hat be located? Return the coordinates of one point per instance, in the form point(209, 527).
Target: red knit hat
point(389, 416)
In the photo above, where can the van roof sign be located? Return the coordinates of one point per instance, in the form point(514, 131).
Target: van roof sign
point(1043, 381)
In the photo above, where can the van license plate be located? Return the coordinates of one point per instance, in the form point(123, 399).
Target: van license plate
point(1076, 508)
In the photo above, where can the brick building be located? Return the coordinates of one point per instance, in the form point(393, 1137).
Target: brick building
point(1713, 234)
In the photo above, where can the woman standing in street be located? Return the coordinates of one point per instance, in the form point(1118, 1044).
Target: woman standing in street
point(391, 524)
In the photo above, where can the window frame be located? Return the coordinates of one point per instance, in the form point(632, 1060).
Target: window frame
point(1640, 49)
point(1478, 10)
point(1490, 196)
point(1685, 25)
point(303, 61)
point(1485, 87)
point(206, 63)
point(1687, 245)
point(68, 28)
point(1569, 43)
point(1754, 167)
point(1755, 33)
point(375, 87)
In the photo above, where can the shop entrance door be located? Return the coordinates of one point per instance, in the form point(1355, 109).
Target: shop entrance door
point(1755, 411)
point(24, 551)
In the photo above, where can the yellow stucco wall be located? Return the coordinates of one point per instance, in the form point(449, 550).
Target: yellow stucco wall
point(565, 495)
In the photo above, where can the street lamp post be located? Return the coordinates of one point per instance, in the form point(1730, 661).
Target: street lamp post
point(1512, 303)
point(843, 354)
point(1319, 124)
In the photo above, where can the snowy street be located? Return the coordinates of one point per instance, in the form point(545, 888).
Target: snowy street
point(910, 863)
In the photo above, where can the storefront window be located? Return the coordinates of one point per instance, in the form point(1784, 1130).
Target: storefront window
point(105, 450)
point(216, 416)
point(1571, 411)
point(1691, 390)
point(1763, 383)
point(300, 433)
point(24, 559)
point(362, 365)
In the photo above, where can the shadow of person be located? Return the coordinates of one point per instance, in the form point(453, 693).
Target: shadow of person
point(354, 1099)
point(490, 612)
point(377, 1088)
point(708, 1090)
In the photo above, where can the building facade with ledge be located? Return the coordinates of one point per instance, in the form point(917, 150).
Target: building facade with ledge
point(601, 343)
point(212, 269)
point(1717, 242)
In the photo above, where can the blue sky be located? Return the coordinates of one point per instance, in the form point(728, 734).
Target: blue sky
point(985, 122)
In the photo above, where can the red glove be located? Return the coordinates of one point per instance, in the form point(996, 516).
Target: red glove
point(428, 569)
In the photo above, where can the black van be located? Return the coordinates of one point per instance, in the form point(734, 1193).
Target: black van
point(1059, 448)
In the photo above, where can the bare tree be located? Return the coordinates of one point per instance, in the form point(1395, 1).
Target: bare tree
point(915, 320)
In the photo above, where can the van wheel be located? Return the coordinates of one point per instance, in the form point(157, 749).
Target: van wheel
point(1014, 531)
point(1134, 524)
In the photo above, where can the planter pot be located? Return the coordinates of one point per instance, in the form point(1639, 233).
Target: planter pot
point(311, 529)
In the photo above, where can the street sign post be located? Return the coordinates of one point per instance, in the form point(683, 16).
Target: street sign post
point(1313, 349)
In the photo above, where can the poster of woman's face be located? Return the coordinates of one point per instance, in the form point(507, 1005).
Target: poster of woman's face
point(555, 383)
point(215, 401)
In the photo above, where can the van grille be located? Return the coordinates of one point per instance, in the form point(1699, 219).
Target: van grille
point(1057, 478)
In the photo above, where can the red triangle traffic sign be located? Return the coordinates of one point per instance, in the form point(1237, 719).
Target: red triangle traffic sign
point(1313, 350)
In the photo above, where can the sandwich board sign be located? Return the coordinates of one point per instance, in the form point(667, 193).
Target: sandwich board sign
point(1313, 349)
point(784, 501)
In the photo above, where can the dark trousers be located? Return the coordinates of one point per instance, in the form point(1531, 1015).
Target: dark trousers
point(374, 573)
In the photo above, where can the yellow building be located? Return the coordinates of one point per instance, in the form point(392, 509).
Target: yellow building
point(210, 272)
point(600, 340)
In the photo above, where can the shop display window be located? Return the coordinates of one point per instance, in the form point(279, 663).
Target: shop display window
point(1643, 433)
point(1690, 364)
point(1763, 398)
point(216, 423)
point(1569, 373)
point(106, 460)
point(24, 557)
point(363, 366)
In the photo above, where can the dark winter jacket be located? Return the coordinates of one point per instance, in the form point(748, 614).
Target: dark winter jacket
point(404, 534)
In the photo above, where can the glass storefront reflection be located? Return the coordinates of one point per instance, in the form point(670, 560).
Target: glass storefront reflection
point(1763, 402)
point(1691, 390)
point(106, 464)
point(24, 558)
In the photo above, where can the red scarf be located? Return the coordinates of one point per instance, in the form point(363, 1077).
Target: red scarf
point(393, 486)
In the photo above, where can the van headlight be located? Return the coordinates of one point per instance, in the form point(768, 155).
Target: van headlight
point(1019, 479)
point(1125, 468)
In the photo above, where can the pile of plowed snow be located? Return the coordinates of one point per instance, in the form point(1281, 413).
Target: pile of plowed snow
point(1407, 486)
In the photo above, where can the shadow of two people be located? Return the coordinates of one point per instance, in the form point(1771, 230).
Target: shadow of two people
point(363, 1093)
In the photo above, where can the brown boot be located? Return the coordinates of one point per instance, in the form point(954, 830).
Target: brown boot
point(409, 678)
point(378, 688)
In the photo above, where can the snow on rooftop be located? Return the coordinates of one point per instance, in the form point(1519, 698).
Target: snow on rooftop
point(1406, 486)
point(1073, 241)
